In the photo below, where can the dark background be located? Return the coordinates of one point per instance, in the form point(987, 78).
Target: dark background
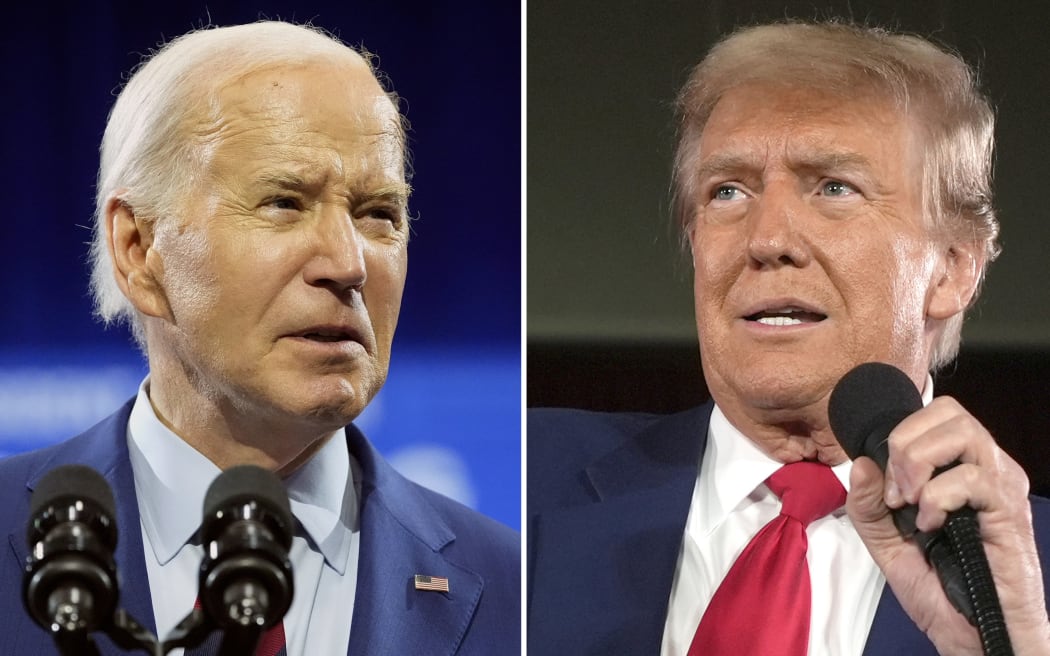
point(455, 375)
point(610, 323)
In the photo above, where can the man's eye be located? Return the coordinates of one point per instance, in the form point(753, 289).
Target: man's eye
point(284, 203)
point(836, 188)
point(726, 192)
point(383, 213)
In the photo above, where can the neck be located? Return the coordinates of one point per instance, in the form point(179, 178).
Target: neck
point(230, 433)
point(788, 435)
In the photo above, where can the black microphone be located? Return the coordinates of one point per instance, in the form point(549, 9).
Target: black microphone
point(70, 583)
point(868, 403)
point(245, 582)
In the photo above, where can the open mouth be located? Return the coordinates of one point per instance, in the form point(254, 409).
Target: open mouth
point(789, 316)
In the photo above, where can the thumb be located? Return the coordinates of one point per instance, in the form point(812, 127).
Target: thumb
point(867, 507)
point(902, 562)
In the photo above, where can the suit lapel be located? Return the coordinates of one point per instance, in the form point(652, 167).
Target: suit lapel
point(605, 575)
point(401, 536)
point(104, 448)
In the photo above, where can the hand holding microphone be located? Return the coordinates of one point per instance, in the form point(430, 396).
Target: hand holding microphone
point(916, 445)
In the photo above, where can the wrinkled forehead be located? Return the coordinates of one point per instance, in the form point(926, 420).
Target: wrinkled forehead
point(340, 93)
point(330, 104)
point(832, 119)
point(802, 97)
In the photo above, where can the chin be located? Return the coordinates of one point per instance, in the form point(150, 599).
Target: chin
point(328, 405)
point(777, 390)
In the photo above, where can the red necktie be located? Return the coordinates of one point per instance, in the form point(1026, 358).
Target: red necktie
point(763, 604)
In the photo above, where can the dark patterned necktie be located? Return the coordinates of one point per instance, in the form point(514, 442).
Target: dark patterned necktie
point(270, 644)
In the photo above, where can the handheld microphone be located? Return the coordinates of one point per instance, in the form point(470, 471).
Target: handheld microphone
point(245, 582)
point(70, 583)
point(864, 407)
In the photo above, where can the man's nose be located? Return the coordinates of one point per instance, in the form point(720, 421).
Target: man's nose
point(774, 237)
point(339, 258)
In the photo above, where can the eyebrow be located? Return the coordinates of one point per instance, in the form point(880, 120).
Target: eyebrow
point(833, 162)
point(284, 180)
point(393, 192)
point(724, 164)
point(730, 163)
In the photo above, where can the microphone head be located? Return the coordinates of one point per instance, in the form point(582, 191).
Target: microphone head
point(86, 496)
point(70, 580)
point(867, 404)
point(248, 484)
point(246, 577)
point(70, 482)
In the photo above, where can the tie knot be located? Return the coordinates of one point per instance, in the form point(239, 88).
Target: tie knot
point(807, 490)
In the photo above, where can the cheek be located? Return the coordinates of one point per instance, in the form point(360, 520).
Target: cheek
point(717, 261)
point(190, 278)
point(387, 269)
point(885, 288)
point(916, 264)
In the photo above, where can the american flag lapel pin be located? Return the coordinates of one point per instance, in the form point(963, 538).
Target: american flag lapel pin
point(436, 583)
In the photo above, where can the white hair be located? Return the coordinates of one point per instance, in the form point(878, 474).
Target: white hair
point(148, 159)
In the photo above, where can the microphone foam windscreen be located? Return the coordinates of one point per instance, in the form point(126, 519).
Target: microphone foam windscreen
point(245, 483)
point(871, 399)
point(72, 482)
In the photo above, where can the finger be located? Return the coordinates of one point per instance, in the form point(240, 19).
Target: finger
point(914, 457)
point(936, 412)
point(892, 491)
point(964, 485)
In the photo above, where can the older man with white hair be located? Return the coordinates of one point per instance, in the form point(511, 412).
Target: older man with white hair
point(252, 227)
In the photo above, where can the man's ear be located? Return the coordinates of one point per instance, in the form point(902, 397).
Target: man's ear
point(963, 265)
point(136, 265)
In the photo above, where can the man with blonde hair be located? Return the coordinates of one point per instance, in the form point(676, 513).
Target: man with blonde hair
point(833, 185)
point(252, 227)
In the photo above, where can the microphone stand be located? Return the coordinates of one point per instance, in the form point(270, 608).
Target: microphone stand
point(128, 634)
point(238, 631)
point(123, 630)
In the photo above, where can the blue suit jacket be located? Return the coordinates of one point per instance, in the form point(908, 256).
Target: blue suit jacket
point(608, 496)
point(405, 530)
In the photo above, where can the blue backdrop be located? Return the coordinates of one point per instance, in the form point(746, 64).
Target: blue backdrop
point(450, 412)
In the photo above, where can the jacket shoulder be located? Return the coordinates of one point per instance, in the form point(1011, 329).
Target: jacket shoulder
point(15, 473)
point(562, 443)
point(476, 534)
point(575, 437)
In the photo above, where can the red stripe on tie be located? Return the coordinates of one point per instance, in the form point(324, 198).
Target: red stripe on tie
point(272, 641)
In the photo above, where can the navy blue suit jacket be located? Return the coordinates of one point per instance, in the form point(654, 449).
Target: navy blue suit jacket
point(405, 530)
point(608, 496)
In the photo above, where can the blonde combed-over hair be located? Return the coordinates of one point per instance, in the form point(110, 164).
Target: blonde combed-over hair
point(930, 84)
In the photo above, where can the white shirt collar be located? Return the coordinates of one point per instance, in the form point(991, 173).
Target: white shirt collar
point(172, 478)
point(734, 467)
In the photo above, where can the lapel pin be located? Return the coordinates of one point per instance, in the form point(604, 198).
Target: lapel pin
point(437, 583)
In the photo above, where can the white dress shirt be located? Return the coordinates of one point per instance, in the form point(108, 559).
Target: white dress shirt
point(730, 504)
point(171, 479)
